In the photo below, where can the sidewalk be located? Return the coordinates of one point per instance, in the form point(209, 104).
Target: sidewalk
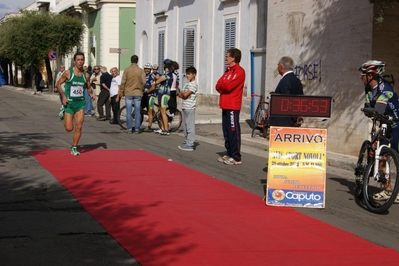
point(212, 115)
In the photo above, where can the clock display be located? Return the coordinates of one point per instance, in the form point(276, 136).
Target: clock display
point(300, 105)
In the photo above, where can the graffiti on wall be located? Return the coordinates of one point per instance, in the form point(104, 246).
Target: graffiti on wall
point(309, 72)
point(306, 72)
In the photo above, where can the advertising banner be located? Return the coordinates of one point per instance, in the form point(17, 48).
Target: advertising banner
point(296, 174)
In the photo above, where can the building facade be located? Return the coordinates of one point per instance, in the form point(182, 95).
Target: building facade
point(109, 38)
point(328, 41)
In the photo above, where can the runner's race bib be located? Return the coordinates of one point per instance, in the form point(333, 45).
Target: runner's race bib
point(76, 91)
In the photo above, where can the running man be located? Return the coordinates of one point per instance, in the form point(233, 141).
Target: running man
point(76, 81)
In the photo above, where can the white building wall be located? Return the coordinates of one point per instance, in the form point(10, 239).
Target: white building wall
point(109, 35)
point(208, 17)
point(331, 39)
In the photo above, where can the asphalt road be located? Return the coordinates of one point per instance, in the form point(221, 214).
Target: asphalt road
point(41, 223)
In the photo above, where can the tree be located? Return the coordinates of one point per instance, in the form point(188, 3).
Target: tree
point(27, 39)
point(382, 5)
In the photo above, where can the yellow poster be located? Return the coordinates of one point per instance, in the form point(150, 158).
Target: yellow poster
point(296, 173)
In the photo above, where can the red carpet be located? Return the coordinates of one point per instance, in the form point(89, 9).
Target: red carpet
point(164, 213)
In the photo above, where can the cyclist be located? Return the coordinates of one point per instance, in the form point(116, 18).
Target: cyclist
point(155, 70)
point(381, 97)
point(149, 95)
point(165, 83)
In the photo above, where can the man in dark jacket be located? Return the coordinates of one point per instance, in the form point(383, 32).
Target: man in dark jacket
point(289, 84)
point(231, 86)
point(103, 97)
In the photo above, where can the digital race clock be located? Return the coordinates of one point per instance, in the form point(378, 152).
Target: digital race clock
point(300, 105)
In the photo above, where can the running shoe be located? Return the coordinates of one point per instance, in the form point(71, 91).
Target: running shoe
point(165, 133)
point(74, 151)
point(223, 158)
point(61, 114)
point(185, 148)
point(158, 131)
point(231, 161)
point(396, 200)
point(383, 195)
point(148, 129)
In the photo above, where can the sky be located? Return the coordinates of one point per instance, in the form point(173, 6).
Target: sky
point(8, 6)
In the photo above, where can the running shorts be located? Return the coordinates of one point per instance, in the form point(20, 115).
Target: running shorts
point(73, 106)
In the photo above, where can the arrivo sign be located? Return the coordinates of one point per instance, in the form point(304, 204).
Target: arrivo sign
point(300, 105)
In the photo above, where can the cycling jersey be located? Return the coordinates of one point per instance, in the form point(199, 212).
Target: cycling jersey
point(149, 81)
point(164, 87)
point(384, 99)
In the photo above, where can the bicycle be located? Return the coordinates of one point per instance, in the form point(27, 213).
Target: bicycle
point(174, 120)
point(377, 166)
point(261, 116)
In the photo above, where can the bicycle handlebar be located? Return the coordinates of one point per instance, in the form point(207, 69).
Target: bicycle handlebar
point(371, 112)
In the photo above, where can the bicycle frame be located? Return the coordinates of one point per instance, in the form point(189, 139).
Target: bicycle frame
point(377, 137)
point(376, 172)
point(263, 108)
point(261, 116)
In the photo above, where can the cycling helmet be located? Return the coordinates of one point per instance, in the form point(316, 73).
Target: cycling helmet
point(148, 65)
point(155, 66)
point(373, 67)
point(167, 61)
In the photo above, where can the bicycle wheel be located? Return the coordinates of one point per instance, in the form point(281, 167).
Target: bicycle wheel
point(144, 119)
point(374, 191)
point(122, 117)
point(361, 165)
point(174, 120)
point(256, 121)
point(266, 127)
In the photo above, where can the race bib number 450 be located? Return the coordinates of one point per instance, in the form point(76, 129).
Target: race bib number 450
point(76, 91)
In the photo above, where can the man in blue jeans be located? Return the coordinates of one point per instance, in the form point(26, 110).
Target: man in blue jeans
point(132, 87)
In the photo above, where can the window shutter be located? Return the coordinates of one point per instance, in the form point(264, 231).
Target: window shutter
point(229, 34)
point(161, 50)
point(188, 51)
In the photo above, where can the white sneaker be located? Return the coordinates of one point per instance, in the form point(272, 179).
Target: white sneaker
point(396, 200)
point(383, 195)
point(158, 131)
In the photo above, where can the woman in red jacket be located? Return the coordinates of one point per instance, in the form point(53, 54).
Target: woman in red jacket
point(231, 86)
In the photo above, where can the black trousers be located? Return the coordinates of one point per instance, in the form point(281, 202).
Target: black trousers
point(172, 104)
point(232, 133)
point(116, 106)
point(103, 100)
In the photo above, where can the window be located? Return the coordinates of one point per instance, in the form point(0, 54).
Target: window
point(229, 34)
point(161, 50)
point(188, 51)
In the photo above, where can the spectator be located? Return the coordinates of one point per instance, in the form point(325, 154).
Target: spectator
point(38, 80)
point(175, 86)
point(59, 75)
point(114, 94)
point(132, 87)
point(289, 84)
point(230, 86)
point(95, 85)
point(189, 96)
point(105, 84)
